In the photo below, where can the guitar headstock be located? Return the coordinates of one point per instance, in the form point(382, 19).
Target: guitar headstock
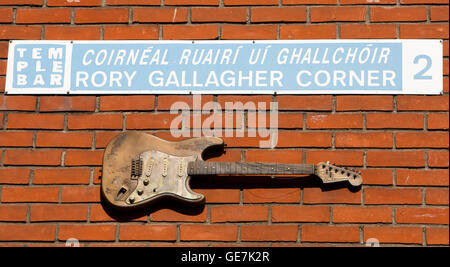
point(330, 173)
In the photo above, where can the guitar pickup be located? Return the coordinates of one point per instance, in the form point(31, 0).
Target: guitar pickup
point(136, 168)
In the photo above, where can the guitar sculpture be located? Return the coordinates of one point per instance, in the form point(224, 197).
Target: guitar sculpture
point(139, 169)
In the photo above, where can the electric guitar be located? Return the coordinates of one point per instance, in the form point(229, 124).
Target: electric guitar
point(139, 168)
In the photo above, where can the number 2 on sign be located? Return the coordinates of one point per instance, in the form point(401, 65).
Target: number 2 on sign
point(421, 74)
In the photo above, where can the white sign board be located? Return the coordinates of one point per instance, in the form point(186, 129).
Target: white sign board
point(225, 67)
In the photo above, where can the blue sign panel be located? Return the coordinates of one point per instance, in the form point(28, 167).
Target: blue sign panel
point(225, 67)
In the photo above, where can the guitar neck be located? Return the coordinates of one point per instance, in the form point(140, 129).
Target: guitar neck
point(240, 168)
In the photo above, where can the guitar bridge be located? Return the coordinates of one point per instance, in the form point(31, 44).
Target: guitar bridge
point(136, 168)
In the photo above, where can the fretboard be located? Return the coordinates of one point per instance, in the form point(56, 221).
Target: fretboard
point(241, 168)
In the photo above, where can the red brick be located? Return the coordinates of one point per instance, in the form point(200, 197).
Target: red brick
point(43, 15)
point(277, 14)
point(135, 102)
point(148, 232)
point(4, 49)
point(318, 196)
point(83, 157)
point(223, 14)
point(191, 2)
point(239, 214)
point(6, 15)
point(413, 2)
point(437, 196)
point(309, 2)
point(274, 195)
point(220, 195)
point(321, 102)
point(269, 232)
point(368, 31)
point(359, 103)
point(249, 32)
point(285, 121)
point(11, 232)
point(326, 31)
point(365, 2)
point(422, 215)
point(95, 121)
point(73, 194)
point(191, 232)
point(325, 233)
point(48, 213)
point(395, 158)
point(300, 214)
point(371, 139)
point(72, 32)
point(102, 139)
point(16, 139)
point(13, 32)
point(438, 158)
point(339, 157)
point(388, 234)
point(74, 3)
point(303, 139)
point(197, 102)
point(35, 121)
point(151, 121)
point(134, 32)
point(30, 194)
point(423, 177)
point(439, 13)
point(436, 236)
point(133, 2)
point(394, 121)
point(21, 2)
point(13, 213)
point(19, 103)
point(62, 176)
point(337, 121)
point(87, 232)
point(377, 176)
point(437, 121)
point(14, 175)
point(392, 196)
point(271, 156)
point(421, 140)
point(250, 2)
point(387, 14)
point(98, 214)
point(425, 103)
point(424, 31)
point(168, 215)
point(362, 214)
point(2, 84)
point(325, 14)
point(101, 15)
point(190, 32)
point(59, 139)
point(65, 103)
point(41, 157)
point(160, 15)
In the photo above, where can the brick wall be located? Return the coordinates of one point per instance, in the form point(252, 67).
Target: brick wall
point(51, 147)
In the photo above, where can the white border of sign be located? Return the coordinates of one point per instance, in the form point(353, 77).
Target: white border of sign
point(411, 48)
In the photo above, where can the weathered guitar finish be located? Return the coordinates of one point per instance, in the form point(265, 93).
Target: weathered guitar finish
point(139, 168)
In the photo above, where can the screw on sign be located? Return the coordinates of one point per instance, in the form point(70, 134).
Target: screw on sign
point(372, 242)
point(72, 242)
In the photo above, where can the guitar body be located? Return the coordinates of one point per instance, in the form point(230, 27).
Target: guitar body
point(135, 169)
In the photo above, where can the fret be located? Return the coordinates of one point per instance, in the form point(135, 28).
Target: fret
point(242, 168)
